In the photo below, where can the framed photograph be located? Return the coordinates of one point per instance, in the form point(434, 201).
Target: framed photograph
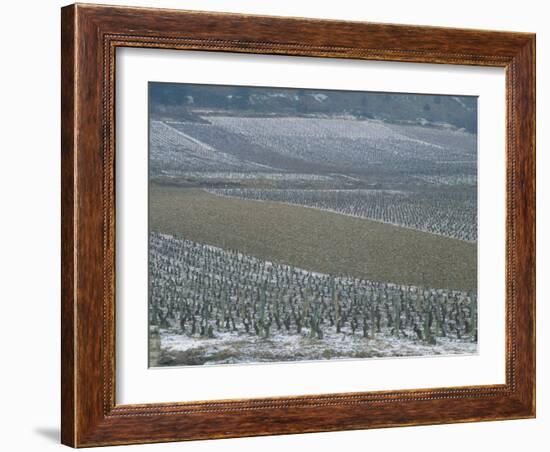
point(281, 225)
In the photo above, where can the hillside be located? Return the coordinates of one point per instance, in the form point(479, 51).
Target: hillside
point(184, 100)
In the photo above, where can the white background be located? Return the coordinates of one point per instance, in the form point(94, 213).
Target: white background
point(29, 261)
point(137, 384)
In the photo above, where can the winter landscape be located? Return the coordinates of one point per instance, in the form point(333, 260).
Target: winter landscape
point(294, 224)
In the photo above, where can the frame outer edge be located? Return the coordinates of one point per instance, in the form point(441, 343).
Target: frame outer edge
point(525, 62)
point(534, 225)
point(86, 420)
point(68, 230)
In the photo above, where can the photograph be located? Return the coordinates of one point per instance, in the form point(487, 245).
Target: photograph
point(298, 224)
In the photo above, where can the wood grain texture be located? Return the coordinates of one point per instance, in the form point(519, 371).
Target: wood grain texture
point(90, 36)
point(68, 147)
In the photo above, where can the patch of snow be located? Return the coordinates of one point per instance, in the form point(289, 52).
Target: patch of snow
point(320, 97)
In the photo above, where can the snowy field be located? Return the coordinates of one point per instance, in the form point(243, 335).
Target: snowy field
point(235, 348)
point(294, 144)
point(243, 301)
point(215, 306)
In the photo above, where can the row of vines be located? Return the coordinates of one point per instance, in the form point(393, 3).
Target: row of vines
point(201, 291)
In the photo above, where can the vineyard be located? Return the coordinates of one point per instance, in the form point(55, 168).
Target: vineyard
point(458, 179)
point(314, 239)
point(281, 230)
point(338, 141)
point(293, 144)
point(227, 298)
point(328, 164)
point(172, 149)
point(452, 214)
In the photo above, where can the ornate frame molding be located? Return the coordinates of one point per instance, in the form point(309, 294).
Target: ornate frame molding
point(90, 37)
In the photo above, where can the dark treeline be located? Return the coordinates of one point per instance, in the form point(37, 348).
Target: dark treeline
point(181, 99)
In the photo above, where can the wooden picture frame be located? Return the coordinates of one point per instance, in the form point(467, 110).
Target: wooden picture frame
point(90, 36)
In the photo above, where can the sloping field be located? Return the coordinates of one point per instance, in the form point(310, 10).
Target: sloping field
point(314, 240)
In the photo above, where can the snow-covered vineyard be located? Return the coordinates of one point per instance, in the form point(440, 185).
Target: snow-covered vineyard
point(452, 214)
point(228, 143)
point(407, 175)
point(212, 306)
point(341, 141)
point(403, 160)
